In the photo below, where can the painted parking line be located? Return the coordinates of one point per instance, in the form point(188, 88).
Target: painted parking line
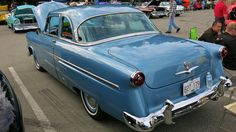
point(45, 123)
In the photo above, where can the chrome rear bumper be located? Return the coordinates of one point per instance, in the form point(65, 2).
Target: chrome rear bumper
point(171, 110)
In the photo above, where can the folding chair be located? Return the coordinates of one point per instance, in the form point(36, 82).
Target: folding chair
point(230, 108)
point(193, 34)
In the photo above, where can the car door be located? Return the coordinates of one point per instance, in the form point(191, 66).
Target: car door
point(64, 50)
point(49, 38)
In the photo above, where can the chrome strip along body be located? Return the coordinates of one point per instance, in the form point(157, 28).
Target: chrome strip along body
point(171, 110)
point(79, 69)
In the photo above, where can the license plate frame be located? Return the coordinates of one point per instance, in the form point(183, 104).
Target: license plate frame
point(191, 86)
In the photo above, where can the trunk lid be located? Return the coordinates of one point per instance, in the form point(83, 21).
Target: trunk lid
point(162, 58)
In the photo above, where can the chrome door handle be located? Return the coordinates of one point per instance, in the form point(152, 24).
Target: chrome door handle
point(54, 41)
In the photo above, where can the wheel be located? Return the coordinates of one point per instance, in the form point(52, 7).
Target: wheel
point(38, 67)
point(177, 14)
point(13, 28)
point(92, 107)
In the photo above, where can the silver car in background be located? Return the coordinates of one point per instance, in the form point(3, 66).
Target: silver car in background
point(166, 4)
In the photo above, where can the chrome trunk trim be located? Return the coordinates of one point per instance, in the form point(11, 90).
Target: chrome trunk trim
point(187, 71)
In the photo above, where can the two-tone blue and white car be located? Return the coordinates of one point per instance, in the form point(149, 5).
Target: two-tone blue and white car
point(22, 18)
point(122, 65)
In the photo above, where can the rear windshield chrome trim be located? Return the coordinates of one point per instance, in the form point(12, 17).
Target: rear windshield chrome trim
point(117, 37)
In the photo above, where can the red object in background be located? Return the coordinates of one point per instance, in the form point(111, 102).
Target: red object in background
point(198, 5)
point(220, 9)
point(186, 4)
point(231, 14)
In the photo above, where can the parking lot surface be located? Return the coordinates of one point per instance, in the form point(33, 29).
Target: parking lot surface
point(56, 108)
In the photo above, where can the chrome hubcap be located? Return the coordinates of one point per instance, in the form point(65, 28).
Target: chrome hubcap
point(91, 103)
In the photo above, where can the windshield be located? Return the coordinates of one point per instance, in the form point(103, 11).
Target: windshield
point(24, 11)
point(107, 26)
point(165, 4)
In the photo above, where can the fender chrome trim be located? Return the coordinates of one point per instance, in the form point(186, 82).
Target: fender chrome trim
point(79, 70)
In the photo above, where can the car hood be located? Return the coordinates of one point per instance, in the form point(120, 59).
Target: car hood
point(161, 57)
point(178, 7)
point(41, 12)
point(150, 3)
point(154, 2)
point(231, 8)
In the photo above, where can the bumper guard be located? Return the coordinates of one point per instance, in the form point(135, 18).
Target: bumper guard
point(171, 110)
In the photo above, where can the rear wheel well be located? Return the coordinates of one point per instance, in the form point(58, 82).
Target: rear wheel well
point(77, 90)
point(30, 51)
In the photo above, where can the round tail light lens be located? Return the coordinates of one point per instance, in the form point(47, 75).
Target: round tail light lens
point(137, 79)
point(223, 52)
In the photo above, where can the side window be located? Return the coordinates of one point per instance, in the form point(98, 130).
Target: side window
point(66, 31)
point(54, 25)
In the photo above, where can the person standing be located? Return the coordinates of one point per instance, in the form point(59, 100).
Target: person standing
point(172, 12)
point(203, 4)
point(220, 11)
point(228, 39)
point(211, 34)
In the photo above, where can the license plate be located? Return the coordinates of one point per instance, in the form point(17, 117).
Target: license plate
point(191, 86)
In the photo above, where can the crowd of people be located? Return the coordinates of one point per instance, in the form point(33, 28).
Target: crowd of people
point(220, 33)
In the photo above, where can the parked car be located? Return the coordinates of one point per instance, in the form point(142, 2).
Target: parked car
point(122, 65)
point(10, 110)
point(210, 4)
point(151, 8)
point(22, 18)
point(43, 1)
point(179, 8)
point(3, 13)
point(231, 14)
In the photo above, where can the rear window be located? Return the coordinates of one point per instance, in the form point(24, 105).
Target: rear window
point(113, 25)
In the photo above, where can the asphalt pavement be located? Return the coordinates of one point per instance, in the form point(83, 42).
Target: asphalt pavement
point(61, 110)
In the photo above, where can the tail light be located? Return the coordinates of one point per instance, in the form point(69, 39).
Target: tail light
point(223, 52)
point(137, 79)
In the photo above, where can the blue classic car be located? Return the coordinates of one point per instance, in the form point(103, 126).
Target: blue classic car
point(22, 18)
point(122, 65)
